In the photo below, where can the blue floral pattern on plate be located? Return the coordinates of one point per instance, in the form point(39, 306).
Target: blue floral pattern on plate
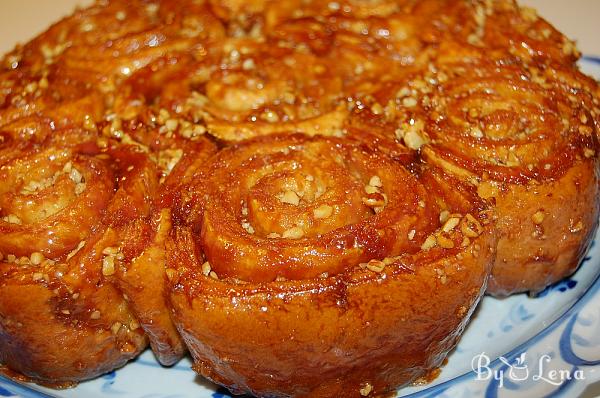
point(527, 340)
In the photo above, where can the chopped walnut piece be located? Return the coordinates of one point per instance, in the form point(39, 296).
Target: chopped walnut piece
point(470, 227)
point(36, 258)
point(290, 197)
point(538, 217)
point(366, 389)
point(12, 219)
point(108, 266)
point(293, 233)
point(323, 211)
point(116, 327)
point(429, 243)
point(206, 268)
point(375, 181)
point(375, 266)
point(445, 242)
point(411, 234)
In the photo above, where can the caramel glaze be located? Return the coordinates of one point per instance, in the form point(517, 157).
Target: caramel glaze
point(330, 180)
point(244, 185)
point(310, 327)
point(528, 142)
point(140, 276)
point(62, 202)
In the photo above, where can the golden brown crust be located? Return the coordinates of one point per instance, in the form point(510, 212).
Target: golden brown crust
point(62, 321)
point(315, 191)
point(528, 143)
point(66, 77)
point(332, 303)
point(140, 278)
point(551, 246)
point(329, 178)
point(332, 337)
point(42, 342)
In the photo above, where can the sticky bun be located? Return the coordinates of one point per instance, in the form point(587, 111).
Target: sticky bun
point(311, 197)
point(328, 262)
point(64, 200)
point(527, 142)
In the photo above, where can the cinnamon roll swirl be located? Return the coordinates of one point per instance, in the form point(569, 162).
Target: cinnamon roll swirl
point(336, 182)
point(63, 201)
point(322, 257)
point(528, 142)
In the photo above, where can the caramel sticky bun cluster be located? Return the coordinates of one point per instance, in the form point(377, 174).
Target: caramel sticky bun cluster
point(310, 197)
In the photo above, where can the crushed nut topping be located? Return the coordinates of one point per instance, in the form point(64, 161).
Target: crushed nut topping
point(366, 389)
point(206, 268)
point(36, 258)
point(429, 243)
point(293, 233)
point(412, 134)
point(290, 197)
point(445, 242)
point(375, 181)
point(12, 219)
point(470, 227)
point(411, 234)
point(450, 224)
point(111, 255)
point(95, 315)
point(246, 225)
point(538, 217)
point(375, 266)
point(168, 159)
point(323, 211)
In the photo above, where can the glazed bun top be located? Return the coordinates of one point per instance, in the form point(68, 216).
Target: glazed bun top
point(484, 89)
point(212, 148)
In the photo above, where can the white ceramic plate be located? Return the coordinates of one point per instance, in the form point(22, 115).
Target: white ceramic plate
point(522, 347)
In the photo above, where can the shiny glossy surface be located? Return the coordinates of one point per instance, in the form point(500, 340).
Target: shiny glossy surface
point(325, 162)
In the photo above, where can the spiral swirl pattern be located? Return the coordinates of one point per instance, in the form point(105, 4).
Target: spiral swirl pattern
point(337, 182)
point(518, 135)
point(297, 208)
point(510, 124)
point(272, 224)
point(59, 247)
